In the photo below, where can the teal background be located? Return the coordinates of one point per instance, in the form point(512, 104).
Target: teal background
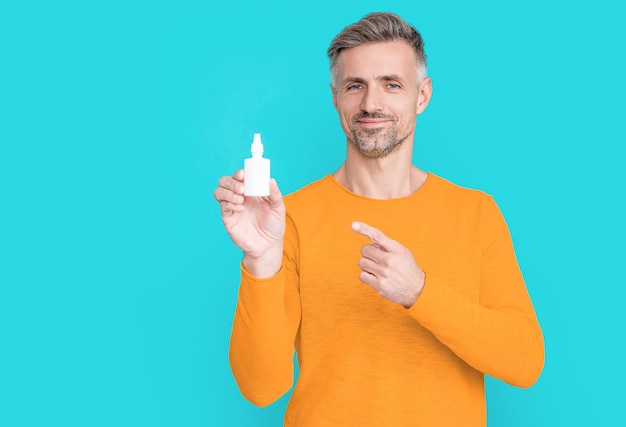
point(117, 280)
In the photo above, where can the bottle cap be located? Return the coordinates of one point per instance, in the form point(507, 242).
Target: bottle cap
point(257, 145)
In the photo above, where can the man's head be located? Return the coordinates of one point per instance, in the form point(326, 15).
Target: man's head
point(379, 83)
point(376, 28)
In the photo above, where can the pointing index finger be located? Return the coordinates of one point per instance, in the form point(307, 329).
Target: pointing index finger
point(372, 233)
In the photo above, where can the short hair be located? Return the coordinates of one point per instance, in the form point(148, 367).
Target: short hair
point(375, 28)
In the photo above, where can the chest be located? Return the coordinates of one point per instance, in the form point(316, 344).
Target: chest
point(446, 244)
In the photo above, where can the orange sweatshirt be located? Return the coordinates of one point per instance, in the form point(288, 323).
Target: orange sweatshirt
point(363, 360)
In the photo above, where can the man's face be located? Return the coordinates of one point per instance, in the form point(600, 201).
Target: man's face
point(377, 96)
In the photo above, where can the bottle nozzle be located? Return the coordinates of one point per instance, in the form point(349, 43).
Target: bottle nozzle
point(257, 145)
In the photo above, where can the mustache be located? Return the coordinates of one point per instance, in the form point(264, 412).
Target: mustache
point(366, 115)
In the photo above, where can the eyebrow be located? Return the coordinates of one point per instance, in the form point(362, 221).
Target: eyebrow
point(353, 80)
point(384, 78)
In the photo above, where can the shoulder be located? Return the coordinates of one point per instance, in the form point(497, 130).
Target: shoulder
point(448, 191)
point(462, 205)
point(310, 196)
point(313, 189)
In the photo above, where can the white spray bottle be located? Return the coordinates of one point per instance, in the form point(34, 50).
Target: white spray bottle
point(256, 179)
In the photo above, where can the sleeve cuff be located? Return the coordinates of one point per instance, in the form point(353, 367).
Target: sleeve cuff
point(246, 277)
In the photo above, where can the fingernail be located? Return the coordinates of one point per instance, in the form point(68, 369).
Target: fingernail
point(356, 226)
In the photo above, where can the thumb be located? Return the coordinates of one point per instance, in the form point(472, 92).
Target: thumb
point(276, 196)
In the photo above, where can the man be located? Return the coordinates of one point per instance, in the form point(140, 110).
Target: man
point(398, 289)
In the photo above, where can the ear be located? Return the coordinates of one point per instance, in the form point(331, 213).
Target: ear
point(425, 92)
point(332, 88)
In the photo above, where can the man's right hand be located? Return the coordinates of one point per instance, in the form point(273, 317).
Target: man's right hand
point(255, 224)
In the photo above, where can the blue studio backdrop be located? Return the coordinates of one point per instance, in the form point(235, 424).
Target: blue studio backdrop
point(117, 280)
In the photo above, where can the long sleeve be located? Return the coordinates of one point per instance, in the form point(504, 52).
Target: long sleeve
point(264, 330)
point(499, 334)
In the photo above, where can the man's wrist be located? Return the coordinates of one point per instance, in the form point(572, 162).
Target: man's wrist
point(266, 265)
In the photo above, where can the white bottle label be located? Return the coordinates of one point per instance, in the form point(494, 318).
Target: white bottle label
point(256, 179)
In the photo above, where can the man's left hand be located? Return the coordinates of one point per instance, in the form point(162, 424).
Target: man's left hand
point(389, 267)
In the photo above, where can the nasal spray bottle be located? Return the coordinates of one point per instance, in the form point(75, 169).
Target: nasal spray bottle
point(256, 179)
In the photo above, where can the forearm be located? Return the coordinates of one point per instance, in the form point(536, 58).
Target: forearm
point(503, 342)
point(262, 339)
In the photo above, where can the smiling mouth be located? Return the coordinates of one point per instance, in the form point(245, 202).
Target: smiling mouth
point(371, 119)
point(371, 123)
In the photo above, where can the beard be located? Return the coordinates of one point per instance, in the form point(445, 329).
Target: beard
point(375, 143)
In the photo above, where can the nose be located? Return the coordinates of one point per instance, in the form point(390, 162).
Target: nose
point(371, 101)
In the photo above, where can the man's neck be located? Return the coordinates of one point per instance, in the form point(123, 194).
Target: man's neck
point(390, 177)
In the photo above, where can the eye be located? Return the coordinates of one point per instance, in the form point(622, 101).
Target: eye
point(354, 86)
point(393, 86)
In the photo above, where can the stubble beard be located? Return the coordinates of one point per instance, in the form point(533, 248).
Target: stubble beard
point(375, 143)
